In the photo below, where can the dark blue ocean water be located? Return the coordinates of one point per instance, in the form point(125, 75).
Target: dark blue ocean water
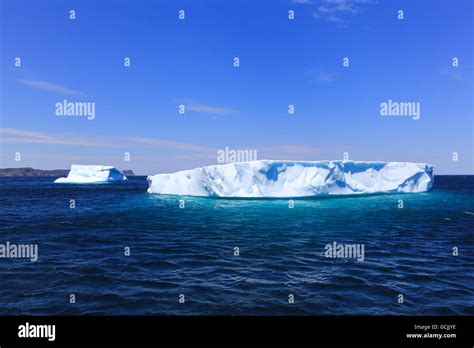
point(190, 251)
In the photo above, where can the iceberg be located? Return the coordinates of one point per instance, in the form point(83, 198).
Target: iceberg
point(91, 174)
point(288, 179)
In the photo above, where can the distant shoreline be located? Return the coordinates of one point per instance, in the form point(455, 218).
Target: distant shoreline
point(32, 172)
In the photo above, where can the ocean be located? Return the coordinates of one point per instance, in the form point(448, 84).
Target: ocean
point(117, 250)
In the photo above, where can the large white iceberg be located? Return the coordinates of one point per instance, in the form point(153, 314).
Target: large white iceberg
point(90, 174)
point(269, 178)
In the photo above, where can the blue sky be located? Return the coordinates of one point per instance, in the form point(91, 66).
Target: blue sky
point(190, 62)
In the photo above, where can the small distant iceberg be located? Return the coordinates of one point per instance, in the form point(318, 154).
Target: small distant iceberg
point(92, 174)
point(288, 179)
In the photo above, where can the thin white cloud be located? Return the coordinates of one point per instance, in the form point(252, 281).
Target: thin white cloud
point(336, 11)
point(319, 75)
point(24, 133)
point(202, 108)
point(12, 135)
point(336, 19)
point(164, 143)
point(50, 87)
point(208, 109)
point(457, 73)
